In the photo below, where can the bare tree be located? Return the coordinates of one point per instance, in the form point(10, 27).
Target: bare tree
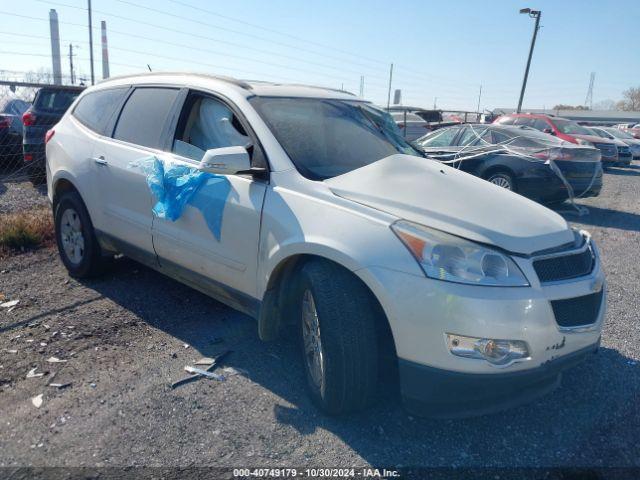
point(630, 100)
point(606, 104)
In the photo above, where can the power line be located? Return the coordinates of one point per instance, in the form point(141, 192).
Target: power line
point(198, 22)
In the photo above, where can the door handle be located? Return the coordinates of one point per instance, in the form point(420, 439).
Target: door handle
point(101, 160)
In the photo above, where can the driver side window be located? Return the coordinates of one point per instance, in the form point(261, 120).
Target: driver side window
point(207, 123)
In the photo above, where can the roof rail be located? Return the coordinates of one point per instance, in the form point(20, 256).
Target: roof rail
point(262, 82)
point(234, 81)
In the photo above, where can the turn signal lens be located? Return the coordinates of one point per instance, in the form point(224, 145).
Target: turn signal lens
point(500, 353)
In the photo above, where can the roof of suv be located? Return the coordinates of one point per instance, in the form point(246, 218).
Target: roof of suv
point(247, 88)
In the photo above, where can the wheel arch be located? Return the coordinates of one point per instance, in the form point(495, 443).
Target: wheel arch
point(275, 312)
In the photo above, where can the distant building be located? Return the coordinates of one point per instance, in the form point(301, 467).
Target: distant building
point(591, 117)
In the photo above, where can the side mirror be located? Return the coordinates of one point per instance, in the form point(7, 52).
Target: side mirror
point(549, 131)
point(225, 161)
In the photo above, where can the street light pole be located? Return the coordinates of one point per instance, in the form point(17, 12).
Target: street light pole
point(533, 14)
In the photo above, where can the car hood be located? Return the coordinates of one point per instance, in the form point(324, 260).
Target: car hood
point(429, 193)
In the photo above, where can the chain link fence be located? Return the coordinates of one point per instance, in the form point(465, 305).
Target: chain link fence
point(14, 102)
point(27, 112)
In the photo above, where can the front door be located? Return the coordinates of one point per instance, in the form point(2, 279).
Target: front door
point(216, 236)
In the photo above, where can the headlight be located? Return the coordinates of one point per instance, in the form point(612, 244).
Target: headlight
point(580, 141)
point(454, 259)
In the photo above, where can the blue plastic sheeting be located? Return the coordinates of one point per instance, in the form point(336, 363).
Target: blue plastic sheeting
point(175, 186)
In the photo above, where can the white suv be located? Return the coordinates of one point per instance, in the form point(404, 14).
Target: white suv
point(304, 207)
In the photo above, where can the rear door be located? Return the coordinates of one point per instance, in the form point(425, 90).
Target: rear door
point(215, 240)
point(139, 133)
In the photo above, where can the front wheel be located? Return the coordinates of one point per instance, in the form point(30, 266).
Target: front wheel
point(337, 334)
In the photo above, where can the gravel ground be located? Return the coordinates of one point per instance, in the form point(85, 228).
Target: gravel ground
point(127, 335)
point(20, 195)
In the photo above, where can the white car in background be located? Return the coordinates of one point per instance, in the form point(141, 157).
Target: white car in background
point(315, 216)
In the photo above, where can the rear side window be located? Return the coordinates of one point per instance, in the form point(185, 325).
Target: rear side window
point(143, 117)
point(95, 109)
point(55, 100)
point(440, 138)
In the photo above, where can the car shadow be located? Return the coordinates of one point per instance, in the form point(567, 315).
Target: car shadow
point(628, 170)
point(597, 399)
point(601, 217)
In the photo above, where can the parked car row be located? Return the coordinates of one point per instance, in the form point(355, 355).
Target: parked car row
point(11, 130)
point(567, 130)
point(23, 126)
point(47, 109)
point(514, 152)
point(521, 167)
point(632, 129)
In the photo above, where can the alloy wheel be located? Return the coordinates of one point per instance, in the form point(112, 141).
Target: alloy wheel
point(312, 342)
point(501, 181)
point(71, 236)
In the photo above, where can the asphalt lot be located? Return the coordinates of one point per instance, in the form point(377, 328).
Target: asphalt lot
point(128, 335)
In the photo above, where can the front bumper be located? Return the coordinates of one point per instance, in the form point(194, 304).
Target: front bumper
point(434, 392)
point(421, 311)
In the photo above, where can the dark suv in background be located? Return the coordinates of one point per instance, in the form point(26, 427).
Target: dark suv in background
point(49, 105)
point(564, 129)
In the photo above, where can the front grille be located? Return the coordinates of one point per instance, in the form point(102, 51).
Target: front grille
point(607, 149)
point(578, 311)
point(564, 267)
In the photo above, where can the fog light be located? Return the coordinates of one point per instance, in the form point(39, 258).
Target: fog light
point(496, 352)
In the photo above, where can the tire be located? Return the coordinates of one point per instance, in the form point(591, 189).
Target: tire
point(77, 244)
point(345, 376)
point(502, 179)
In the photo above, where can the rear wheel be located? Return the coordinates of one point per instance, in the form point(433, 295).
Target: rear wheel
point(337, 334)
point(502, 179)
point(77, 243)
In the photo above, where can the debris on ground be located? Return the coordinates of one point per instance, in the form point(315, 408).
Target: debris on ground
point(32, 373)
point(9, 304)
point(60, 386)
point(197, 376)
point(55, 360)
point(12, 351)
point(37, 401)
point(204, 373)
point(205, 361)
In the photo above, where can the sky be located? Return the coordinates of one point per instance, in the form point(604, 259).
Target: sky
point(442, 51)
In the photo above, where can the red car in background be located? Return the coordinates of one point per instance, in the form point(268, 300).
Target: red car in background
point(564, 129)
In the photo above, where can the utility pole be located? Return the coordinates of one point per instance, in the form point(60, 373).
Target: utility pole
point(435, 100)
point(361, 86)
point(533, 14)
point(93, 77)
point(479, 97)
point(73, 79)
point(389, 94)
